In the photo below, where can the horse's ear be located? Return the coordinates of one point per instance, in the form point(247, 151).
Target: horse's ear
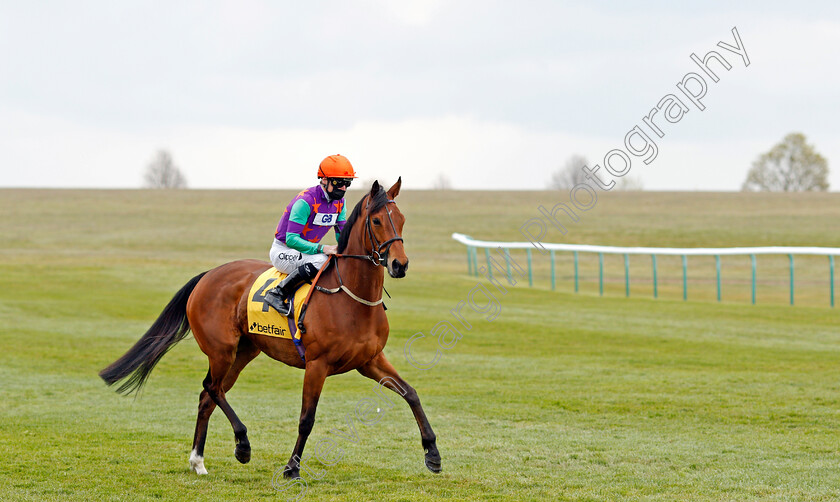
point(395, 190)
point(375, 187)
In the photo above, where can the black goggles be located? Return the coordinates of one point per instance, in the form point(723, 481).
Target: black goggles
point(340, 182)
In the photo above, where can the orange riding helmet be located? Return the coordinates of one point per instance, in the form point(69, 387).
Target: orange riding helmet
point(336, 166)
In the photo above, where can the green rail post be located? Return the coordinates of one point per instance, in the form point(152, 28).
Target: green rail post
point(752, 260)
point(790, 257)
point(507, 262)
point(489, 268)
point(717, 268)
point(626, 275)
point(475, 260)
point(530, 273)
point(576, 271)
point(653, 260)
point(831, 276)
point(553, 279)
point(469, 260)
point(685, 277)
point(601, 273)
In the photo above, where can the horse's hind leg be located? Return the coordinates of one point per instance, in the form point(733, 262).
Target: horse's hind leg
point(380, 369)
point(246, 352)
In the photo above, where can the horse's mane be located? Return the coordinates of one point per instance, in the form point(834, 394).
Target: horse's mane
point(378, 201)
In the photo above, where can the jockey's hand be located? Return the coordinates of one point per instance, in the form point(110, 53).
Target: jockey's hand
point(330, 249)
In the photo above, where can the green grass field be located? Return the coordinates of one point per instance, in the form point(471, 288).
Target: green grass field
point(562, 397)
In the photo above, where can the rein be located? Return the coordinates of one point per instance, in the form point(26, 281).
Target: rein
point(342, 287)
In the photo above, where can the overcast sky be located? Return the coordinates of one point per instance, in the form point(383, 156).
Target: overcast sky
point(493, 94)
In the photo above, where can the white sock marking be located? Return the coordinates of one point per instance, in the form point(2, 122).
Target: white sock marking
point(197, 463)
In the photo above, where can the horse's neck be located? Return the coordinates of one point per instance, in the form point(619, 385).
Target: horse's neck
point(361, 276)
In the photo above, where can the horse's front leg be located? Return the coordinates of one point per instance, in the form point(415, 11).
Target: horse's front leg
point(313, 382)
point(380, 369)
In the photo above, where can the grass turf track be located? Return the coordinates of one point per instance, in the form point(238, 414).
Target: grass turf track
point(562, 397)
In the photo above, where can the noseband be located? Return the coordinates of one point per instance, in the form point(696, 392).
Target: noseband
point(379, 251)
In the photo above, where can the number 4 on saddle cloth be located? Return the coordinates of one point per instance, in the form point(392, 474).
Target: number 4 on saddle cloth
point(263, 319)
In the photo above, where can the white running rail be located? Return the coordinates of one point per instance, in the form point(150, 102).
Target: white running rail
point(505, 247)
point(469, 241)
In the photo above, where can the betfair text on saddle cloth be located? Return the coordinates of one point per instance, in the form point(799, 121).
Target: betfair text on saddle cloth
point(308, 218)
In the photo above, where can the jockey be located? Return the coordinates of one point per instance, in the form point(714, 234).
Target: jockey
point(307, 219)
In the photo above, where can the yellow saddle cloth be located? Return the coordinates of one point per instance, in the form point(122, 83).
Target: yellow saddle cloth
point(262, 318)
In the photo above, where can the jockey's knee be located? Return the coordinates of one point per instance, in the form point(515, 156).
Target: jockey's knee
point(318, 260)
point(308, 270)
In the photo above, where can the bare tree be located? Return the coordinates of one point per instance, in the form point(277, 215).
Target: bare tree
point(162, 172)
point(442, 182)
point(570, 174)
point(791, 166)
point(629, 184)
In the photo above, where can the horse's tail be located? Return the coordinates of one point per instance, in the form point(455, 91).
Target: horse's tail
point(170, 328)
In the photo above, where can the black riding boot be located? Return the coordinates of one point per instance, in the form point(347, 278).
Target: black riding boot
point(279, 296)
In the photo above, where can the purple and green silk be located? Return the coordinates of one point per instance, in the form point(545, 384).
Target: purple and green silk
point(308, 218)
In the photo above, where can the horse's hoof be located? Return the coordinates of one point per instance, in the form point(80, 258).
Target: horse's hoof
point(242, 454)
point(433, 464)
point(432, 458)
point(291, 472)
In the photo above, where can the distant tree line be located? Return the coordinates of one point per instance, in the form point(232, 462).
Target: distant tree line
point(792, 165)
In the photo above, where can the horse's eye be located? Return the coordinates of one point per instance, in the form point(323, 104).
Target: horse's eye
point(376, 221)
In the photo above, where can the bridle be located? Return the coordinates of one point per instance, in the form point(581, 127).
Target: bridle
point(378, 251)
point(376, 254)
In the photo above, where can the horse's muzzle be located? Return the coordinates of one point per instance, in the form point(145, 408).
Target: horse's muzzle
point(397, 269)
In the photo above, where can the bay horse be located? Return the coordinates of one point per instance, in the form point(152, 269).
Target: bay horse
point(339, 332)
